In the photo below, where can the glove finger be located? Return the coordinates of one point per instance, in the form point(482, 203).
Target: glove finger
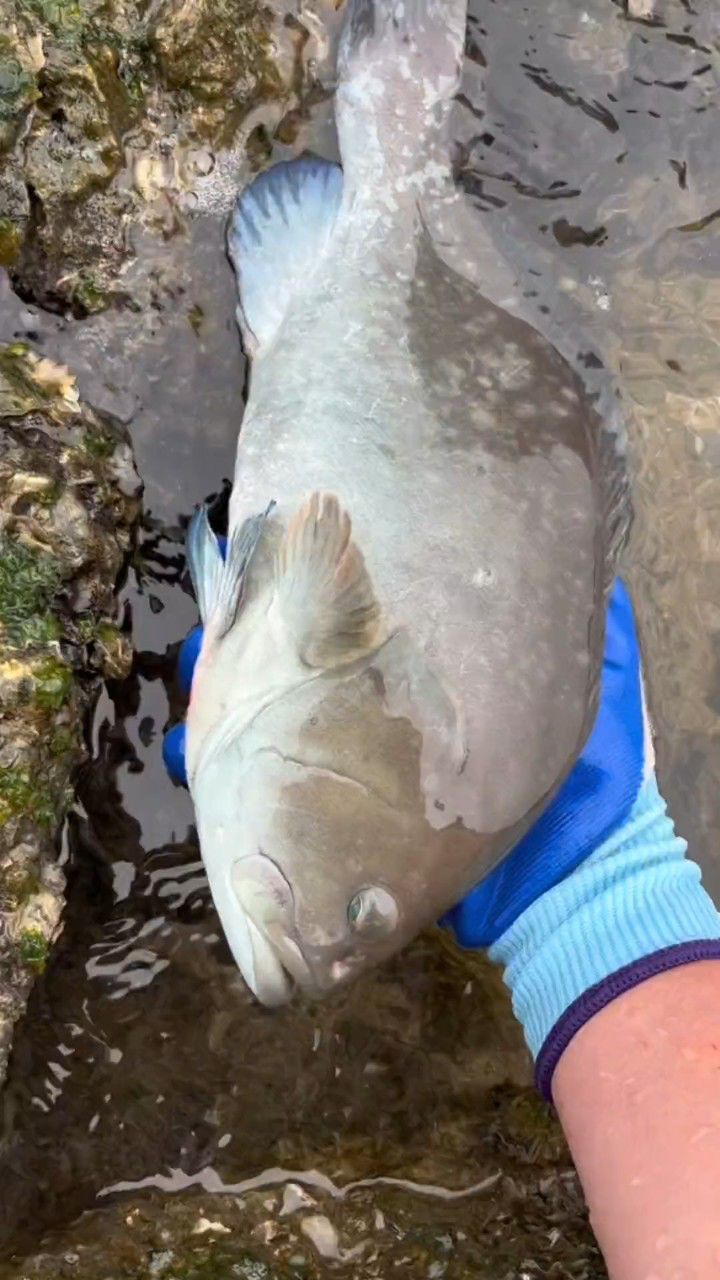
point(189, 652)
point(593, 799)
point(174, 753)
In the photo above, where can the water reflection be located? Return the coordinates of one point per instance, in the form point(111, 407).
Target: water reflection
point(590, 144)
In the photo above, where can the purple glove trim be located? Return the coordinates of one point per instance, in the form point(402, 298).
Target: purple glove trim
point(603, 993)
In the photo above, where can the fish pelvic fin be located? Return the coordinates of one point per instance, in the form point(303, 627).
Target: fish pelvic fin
point(399, 67)
point(279, 230)
point(323, 588)
point(219, 584)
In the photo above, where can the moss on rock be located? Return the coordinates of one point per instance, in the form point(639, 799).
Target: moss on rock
point(25, 794)
point(28, 582)
point(62, 542)
point(11, 236)
point(34, 949)
point(20, 61)
point(53, 682)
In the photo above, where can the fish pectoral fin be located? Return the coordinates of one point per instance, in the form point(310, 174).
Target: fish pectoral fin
point(323, 587)
point(219, 584)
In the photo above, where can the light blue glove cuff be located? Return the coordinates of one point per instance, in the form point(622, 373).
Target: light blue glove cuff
point(633, 908)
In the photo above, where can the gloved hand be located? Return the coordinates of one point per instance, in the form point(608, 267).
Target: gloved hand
point(599, 895)
point(594, 800)
point(174, 740)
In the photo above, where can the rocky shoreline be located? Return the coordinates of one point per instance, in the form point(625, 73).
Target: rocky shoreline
point(69, 499)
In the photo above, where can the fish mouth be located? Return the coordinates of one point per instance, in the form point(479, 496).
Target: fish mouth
point(269, 958)
point(277, 966)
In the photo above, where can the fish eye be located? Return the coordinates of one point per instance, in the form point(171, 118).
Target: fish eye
point(372, 911)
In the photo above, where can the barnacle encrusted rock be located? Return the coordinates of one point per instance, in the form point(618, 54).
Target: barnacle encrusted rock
point(69, 498)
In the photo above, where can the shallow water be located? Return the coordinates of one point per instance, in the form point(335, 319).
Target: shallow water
point(591, 144)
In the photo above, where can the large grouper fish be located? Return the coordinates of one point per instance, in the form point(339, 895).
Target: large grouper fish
point(402, 647)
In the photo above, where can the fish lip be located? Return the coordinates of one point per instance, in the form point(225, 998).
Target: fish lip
point(276, 964)
point(285, 969)
point(281, 970)
point(270, 982)
point(290, 955)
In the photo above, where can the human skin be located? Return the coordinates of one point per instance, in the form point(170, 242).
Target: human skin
point(638, 1094)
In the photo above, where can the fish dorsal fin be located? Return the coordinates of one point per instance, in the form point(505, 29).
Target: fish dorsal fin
point(280, 227)
point(322, 586)
point(219, 584)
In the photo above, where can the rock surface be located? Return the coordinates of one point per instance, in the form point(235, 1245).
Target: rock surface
point(517, 1226)
point(110, 111)
point(69, 497)
point(104, 108)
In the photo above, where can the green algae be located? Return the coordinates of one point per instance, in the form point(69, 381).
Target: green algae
point(18, 86)
point(10, 241)
point(221, 1262)
point(28, 583)
point(62, 742)
point(34, 949)
point(19, 392)
point(196, 315)
point(101, 76)
point(53, 682)
point(26, 795)
point(67, 522)
point(65, 19)
point(98, 444)
point(224, 54)
point(48, 496)
point(89, 294)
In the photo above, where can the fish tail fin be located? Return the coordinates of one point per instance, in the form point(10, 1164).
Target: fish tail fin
point(279, 229)
point(399, 68)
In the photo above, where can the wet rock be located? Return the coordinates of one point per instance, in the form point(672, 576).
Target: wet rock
point(73, 146)
point(505, 1236)
point(14, 216)
point(21, 59)
point(216, 50)
point(65, 530)
point(91, 91)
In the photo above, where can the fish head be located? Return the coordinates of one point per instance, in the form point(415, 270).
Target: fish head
point(324, 847)
point(325, 758)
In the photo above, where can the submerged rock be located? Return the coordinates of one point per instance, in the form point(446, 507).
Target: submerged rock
point(69, 497)
point(526, 1220)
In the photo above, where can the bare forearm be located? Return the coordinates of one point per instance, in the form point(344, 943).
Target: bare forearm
point(638, 1093)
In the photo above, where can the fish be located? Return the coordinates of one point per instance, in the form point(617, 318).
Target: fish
point(403, 641)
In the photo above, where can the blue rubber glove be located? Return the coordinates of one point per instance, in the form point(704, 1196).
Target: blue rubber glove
point(174, 739)
point(599, 895)
point(594, 800)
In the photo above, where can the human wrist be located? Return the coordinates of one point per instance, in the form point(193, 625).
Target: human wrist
point(634, 908)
